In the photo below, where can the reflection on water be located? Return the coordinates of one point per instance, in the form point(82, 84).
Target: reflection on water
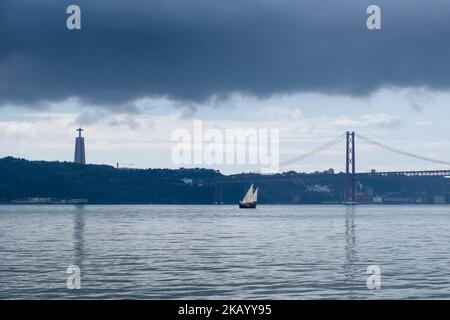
point(350, 266)
point(78, 229)
point(197, 252)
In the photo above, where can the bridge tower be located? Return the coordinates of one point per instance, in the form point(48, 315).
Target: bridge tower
point(350, 196)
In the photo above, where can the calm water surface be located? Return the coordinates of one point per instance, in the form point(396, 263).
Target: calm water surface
point(202, 252)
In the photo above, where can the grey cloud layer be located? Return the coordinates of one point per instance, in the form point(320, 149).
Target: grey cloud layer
point(195, 49)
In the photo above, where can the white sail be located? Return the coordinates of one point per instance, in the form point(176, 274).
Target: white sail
point(249, 196)
point(255, 195)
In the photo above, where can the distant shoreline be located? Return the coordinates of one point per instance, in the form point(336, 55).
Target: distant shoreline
point(24, 182)
point(224, 205)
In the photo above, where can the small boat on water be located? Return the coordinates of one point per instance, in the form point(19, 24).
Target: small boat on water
point(250, 199)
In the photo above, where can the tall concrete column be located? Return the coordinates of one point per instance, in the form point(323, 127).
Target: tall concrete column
point(80, 153)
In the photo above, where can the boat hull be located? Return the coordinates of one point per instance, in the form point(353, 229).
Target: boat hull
point(251, 205)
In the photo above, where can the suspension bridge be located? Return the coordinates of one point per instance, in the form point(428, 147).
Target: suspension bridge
point(292, 168)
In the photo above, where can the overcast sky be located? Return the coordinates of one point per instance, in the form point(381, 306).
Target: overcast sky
point(138, 70)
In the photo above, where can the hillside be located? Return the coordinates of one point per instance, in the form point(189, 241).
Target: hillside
point(101, 184)
point(20, 179)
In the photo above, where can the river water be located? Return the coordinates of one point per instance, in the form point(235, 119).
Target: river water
point(209, 252)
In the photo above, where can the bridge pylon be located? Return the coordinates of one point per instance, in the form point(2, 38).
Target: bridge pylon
point(350, 195)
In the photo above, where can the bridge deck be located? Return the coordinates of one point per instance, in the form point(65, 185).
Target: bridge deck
point(247, 178)
point(428, 173)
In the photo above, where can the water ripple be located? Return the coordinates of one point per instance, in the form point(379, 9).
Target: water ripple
point(208, 252)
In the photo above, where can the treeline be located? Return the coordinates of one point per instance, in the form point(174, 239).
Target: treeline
point(101, 184)
point(21, 179)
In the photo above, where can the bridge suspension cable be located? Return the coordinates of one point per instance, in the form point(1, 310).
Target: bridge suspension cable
point(313, 152)
point(405, 153)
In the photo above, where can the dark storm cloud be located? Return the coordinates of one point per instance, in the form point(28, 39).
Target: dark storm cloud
point(195, 49)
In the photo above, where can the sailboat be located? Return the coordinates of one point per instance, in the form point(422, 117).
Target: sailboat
point(250, 199)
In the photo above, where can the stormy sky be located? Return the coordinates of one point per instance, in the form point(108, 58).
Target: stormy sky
point(194, 49)
point(139, 59)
